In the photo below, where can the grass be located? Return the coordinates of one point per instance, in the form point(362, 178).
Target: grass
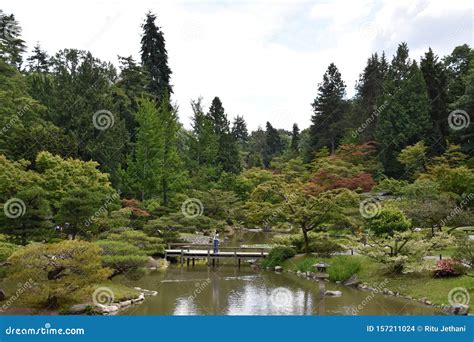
point(417, 286)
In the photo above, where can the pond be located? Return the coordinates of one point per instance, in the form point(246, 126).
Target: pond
point(229, 290)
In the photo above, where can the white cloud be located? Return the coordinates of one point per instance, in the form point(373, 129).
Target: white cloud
point(263, 59)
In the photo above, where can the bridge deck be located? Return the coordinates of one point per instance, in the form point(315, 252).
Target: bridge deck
point(201, 253)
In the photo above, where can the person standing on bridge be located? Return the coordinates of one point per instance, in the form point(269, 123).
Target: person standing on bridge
point(215, 242)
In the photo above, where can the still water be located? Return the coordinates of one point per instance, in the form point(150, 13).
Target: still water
point(228, 290)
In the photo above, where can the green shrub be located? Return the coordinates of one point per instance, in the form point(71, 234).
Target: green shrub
point(343, 267)
point(324, 247)
point(319, 243)
point(7, 249)
point(277, 255)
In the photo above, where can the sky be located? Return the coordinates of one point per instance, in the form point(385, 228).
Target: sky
point(264, 59)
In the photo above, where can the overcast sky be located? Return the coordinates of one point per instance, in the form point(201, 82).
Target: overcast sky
point(264, 59)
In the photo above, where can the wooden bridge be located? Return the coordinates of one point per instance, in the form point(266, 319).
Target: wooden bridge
point(190, 253)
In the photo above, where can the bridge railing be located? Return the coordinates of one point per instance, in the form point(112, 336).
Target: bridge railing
point(190, 246)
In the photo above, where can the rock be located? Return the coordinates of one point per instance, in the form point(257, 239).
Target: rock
point(78, 309)
point(3, 296)
point(457, 309)
point(338, 281)
point(352, 281)
point(298, 272)
point(333, 293)
point(125, 303)
point(428, 302)
point(308, 274)
point(390, 293)
point(107, 308)
point(278, 268)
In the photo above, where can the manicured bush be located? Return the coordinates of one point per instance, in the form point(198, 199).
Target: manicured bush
point(278, 255)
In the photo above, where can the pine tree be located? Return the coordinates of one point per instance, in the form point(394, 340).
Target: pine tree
point(295, 139)
point(404, 118)
point(12, 46)
point(435, 78)
point(369, 90)
point(273, 144)
point(155, 58)
point(39, 60)
point(328, 107)
point(228, 155)
point(239, 130)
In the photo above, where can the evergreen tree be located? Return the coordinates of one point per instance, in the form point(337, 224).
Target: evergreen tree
point(435, 78)
point(155, 168)
point(12, 46)
point(404, 119)
point(39, 60)
point(172, 175)
point(458, 64)
point(273, 144)
point(369, 90)
point(228, 156)
point(155, 58)
point(239, 130)
point(132, 85)
point(328, 107)
point(141, 176)
point(295, 139)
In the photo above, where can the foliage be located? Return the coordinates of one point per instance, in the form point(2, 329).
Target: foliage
point(342, 267)
point(60, 273)
point(389, 221)
point(278, 255)
point(448, 268)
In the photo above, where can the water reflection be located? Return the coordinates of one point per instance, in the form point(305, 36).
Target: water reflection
point(228, 290)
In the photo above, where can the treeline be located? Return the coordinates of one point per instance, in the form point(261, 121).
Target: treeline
point(75, 105)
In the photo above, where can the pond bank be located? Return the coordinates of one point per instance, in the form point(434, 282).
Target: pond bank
point(422, 288)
